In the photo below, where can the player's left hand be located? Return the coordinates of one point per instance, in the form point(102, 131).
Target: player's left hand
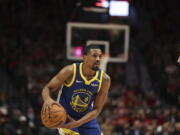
point(71, 124)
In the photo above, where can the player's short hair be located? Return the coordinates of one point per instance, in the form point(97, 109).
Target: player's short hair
point(89, 47)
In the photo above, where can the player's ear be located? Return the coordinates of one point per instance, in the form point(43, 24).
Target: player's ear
point(84, 56)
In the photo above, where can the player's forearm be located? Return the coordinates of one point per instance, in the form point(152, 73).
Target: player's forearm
point(46, 93)
point(89, 116)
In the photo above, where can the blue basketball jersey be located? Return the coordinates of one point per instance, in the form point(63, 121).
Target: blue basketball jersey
point(77, 96)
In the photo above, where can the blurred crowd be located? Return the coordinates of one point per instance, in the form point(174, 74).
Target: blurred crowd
point(144, 97)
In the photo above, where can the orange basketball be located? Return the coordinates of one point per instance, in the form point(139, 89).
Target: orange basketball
point(58, 117)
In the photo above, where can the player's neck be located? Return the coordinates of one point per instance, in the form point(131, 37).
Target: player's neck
point(87, 72)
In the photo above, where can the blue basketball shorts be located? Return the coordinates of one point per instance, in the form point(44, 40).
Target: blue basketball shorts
point(89, 128)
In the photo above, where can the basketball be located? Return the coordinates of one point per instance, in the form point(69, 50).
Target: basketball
point(57, 118)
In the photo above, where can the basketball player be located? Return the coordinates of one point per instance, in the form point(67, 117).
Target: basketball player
point(84, 92)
